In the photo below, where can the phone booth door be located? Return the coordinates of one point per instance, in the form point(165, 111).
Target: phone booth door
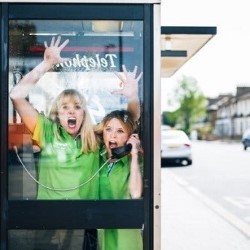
point(77, 159)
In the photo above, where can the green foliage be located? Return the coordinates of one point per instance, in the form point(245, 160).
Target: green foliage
point(192, 103)
point(170, 118)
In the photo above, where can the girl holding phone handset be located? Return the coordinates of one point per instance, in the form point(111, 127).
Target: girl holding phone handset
point(121, 178)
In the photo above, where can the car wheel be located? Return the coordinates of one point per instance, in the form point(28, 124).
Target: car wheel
point(245, 147)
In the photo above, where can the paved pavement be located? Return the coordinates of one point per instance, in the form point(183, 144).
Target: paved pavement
point(190, 221)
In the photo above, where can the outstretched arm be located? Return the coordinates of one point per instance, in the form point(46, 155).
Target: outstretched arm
point(18, 94)
point(129, 88)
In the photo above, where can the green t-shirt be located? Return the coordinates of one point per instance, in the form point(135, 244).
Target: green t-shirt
point(114, 181)
point(62, 164)
point(114, 178)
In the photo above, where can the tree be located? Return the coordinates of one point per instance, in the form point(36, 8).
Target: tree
point(192, 103)
point(170, 118)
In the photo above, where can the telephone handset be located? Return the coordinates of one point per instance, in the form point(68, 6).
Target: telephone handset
point(119, 152)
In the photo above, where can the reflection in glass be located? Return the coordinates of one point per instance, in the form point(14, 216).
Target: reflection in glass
point(89, 239)
point(96, 49)
point(46, 239)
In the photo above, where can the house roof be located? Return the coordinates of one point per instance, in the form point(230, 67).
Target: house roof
point(242, 90)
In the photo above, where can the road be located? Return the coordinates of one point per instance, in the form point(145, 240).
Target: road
point(208, 201)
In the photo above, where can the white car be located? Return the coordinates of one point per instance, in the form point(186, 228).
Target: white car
point(176, 147)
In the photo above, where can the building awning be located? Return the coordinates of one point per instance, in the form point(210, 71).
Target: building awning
point(179, 44)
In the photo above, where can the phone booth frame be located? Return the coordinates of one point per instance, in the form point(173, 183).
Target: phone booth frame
point(144, 213)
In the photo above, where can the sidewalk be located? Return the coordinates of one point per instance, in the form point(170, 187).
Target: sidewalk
point(190, 222)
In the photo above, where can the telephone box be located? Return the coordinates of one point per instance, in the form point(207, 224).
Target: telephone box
point(103, 36)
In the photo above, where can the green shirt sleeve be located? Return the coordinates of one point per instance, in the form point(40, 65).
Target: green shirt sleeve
point(37, 134)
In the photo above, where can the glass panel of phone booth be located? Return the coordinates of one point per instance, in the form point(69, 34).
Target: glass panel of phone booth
point(77, 239)
point(96, 50)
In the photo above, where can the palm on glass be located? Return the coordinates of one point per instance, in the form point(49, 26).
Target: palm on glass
point(129, 82)
point(52, 53)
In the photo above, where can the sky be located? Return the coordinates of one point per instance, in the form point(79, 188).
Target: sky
point(224, 62)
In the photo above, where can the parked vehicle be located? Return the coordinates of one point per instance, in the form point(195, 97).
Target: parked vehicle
point(246, 139)
point(175, 147)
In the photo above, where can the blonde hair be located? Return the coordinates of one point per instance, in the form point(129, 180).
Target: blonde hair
point(88, 138)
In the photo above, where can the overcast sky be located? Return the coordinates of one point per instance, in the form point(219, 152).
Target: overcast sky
point(224, 62)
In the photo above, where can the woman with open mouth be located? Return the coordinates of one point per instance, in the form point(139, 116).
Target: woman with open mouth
point(122, 177)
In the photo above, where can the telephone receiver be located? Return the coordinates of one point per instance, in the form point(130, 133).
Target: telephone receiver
point(119, 152)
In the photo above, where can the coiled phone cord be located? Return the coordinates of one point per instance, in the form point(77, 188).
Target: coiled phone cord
point(59, 189)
